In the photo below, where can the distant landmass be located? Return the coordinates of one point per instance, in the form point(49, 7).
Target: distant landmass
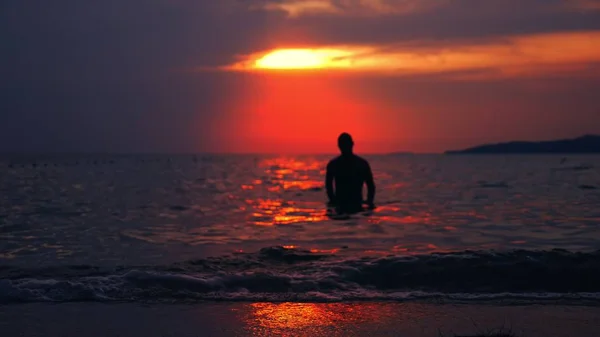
point(585, 144)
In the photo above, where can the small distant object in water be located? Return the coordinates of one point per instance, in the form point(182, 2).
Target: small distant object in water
point(587, 187)
point(564, 160)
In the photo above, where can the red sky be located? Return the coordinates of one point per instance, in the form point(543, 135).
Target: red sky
point(424, 98)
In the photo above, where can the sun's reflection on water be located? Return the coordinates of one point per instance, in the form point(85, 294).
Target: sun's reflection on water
point(292, 315)
point(285, 198)
point(314, 319)
point(284, 164)
point(268, 212)
point(273, 205)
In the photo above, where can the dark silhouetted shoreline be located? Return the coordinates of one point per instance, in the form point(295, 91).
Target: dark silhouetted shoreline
point(584, 144)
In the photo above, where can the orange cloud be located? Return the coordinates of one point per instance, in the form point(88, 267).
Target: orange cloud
point(510, 56)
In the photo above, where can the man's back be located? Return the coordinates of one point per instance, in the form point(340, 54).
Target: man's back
point(349, 172)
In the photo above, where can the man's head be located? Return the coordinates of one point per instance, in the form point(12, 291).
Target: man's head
point(345, 143)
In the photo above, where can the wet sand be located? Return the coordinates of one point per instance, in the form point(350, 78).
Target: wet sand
point(295, 319)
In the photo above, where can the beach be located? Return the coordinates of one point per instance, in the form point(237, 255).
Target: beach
point(296, 319)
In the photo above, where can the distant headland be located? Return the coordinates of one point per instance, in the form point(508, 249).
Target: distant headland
point(584, 144)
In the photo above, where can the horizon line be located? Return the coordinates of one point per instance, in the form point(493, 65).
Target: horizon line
point(186, 153)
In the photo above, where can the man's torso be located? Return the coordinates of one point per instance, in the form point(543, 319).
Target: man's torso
point(349, 177)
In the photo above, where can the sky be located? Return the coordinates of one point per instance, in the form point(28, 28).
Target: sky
point(287, 76)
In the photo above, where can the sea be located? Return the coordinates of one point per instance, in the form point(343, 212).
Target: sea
point(189, 228)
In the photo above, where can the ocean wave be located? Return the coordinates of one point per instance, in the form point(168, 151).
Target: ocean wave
point(280, 274)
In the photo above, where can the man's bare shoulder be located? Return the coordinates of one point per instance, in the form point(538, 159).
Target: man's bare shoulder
point(334, 161)
point(362, 161)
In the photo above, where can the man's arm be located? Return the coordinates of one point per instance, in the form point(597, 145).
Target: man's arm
point(329, 176)
point(370, 186)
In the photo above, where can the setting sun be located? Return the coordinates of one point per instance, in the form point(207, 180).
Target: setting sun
point(301, 59)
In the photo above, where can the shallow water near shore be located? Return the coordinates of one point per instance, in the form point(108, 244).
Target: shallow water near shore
point(255, 228)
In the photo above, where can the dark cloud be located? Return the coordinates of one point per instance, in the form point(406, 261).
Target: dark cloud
point(113, 75)
point(455, 20)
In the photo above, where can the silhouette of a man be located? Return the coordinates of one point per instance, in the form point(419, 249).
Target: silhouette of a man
point(349, 172)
